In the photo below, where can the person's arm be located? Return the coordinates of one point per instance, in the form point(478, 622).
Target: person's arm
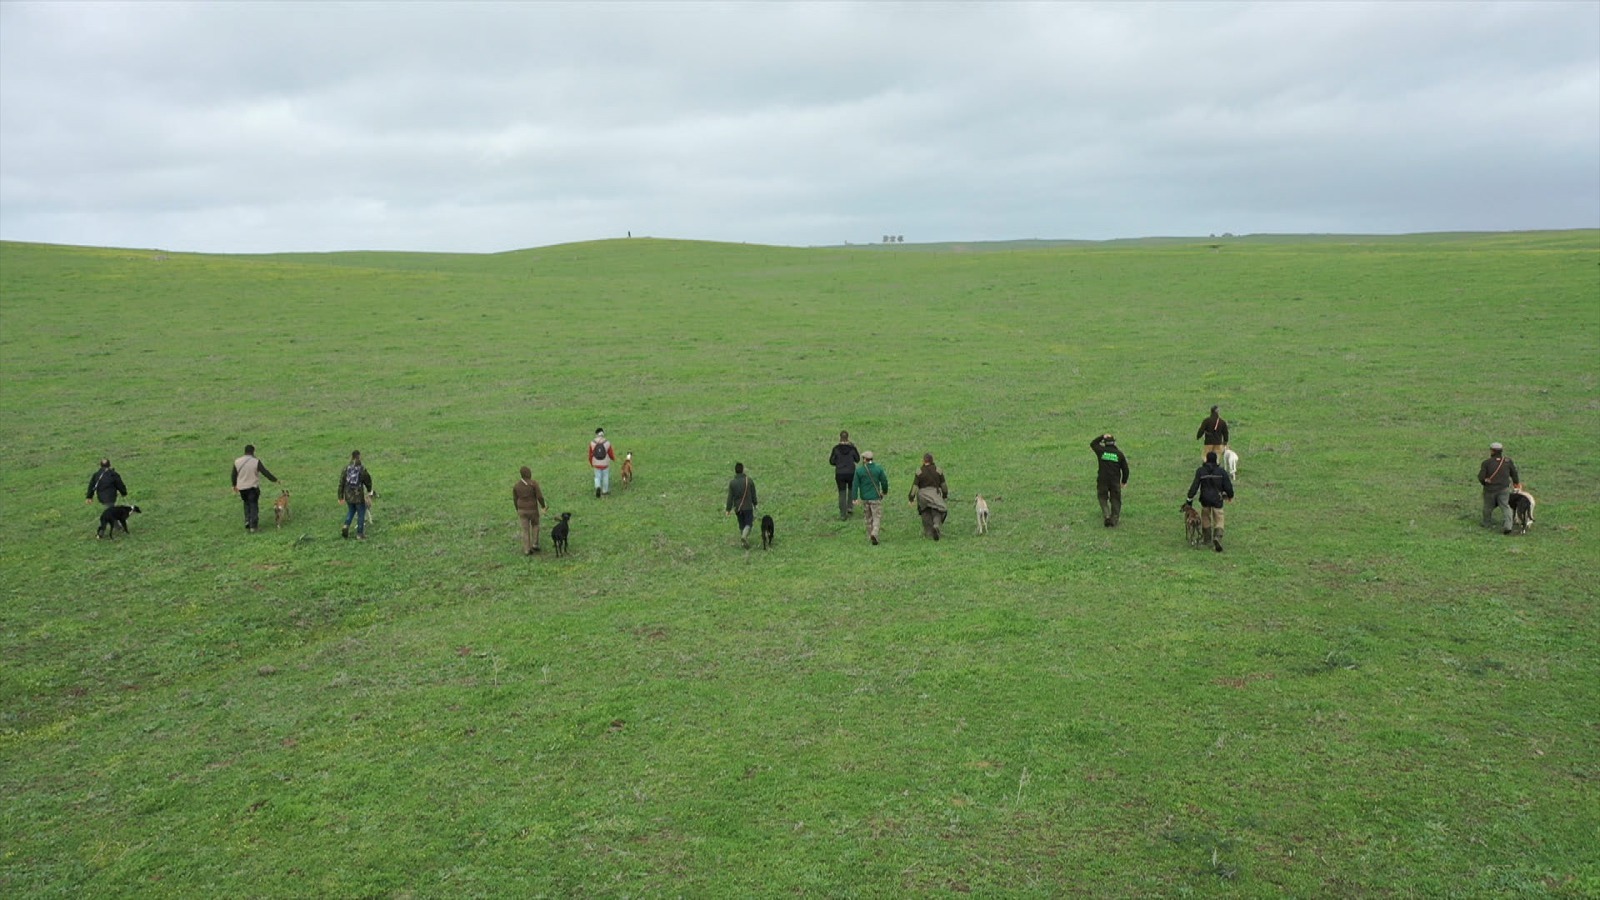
point(1122, 460)
point(1096, 445)
point(733, 493)
point(366, 480)
point(235, 481)
point(1194, 485)
point(1200, 432)
point(1222, 431)
point(1516, 477)
point(753, 501)
point(262, 468)
point(121, 488)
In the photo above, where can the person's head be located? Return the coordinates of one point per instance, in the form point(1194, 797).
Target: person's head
point(1213, 410)
point(105, 463)
point(1495, 449)
point(599, 433)
point(355, 456)
point(738, 468)
point(1109, 438)
point(527, 472)
point(1211, 457)
point(249, 449)
point(866, 455)
point(844, 435)
point(927, 459)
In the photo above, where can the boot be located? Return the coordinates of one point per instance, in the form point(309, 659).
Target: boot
point(1216, 540)
point(597, 493)
point(744, 537)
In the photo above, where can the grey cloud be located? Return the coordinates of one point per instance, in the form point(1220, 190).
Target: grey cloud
point(491, 126)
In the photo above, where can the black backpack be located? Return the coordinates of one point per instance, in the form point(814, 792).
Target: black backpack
point(602, 451)
point(353, 492)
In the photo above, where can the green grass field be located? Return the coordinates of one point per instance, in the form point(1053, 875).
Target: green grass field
point(1367, 695)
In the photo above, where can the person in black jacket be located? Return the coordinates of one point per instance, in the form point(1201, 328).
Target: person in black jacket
point(1215, 433)
point(105, 484)
point(1112, 477)
point(843, 459)
point(1215, 488)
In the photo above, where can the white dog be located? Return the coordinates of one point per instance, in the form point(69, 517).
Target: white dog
point(982, 509)
point(1230, 462)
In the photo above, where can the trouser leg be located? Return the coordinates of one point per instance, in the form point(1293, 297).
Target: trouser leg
point(527, 533)
point(1503, 499)
point(1116, 505)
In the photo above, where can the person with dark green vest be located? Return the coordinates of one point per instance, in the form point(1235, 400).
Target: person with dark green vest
point(870, 484)
point(1112, 478)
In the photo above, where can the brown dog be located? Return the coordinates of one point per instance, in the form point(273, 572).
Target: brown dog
point(627, 469)
point(280, 509)
point(1191, 525)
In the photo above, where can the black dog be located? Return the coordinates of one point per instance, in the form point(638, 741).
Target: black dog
point(558, 535)
point(767, 528)
point(111, 518)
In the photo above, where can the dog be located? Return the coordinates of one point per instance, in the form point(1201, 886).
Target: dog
point(111, 518)
point(627, 469)
point(1230, 462)
point(981, 507)
point(1192, 531)
point(1522, 504)
point(558, 534)
point(280, 509)
point(768, 527)
point(371, 496)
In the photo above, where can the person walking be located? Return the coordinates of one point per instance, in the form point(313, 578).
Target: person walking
point(929, 491)
point(1112, 477)
point(844, 459)
point(1214, 431)
point(1498, 475)
point(247, 474)
point(105, 484)
point(529, 500)
point(1211, 481)
point(355, 483)
point(869, 484)
point(601, 454)
point(742, 500)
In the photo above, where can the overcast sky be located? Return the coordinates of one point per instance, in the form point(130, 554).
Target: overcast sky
point(260, 127)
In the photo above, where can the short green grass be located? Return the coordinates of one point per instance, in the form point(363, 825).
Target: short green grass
point(1367, 695)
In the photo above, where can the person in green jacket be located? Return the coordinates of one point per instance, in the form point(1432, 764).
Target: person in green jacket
point(870, 484)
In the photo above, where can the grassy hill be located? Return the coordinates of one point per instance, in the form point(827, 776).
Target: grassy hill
point(1368, 694)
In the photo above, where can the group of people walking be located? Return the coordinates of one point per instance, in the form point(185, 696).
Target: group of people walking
point(859, 479)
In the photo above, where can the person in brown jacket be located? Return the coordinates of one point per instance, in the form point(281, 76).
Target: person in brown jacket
point(1498, 475)
point(529, 500)
point(929, 492)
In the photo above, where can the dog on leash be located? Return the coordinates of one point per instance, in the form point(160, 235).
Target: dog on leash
point(627, 469)
point(113, 517)
point(1522, 504)
point(1230, 462)
point(558, 534)
point(280, 509)
point(1192, 532)
point(981, 508)
point(768, 529)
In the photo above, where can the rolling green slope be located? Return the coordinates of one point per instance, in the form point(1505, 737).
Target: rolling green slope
point(1367, 694)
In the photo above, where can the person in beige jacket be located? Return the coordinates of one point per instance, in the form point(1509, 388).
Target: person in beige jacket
point(529, 501)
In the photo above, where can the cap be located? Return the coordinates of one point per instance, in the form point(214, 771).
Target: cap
point(866, 454)
point(1496, 446)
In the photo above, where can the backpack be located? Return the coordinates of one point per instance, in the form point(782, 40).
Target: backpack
point(602, 451)
point(352, 484)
